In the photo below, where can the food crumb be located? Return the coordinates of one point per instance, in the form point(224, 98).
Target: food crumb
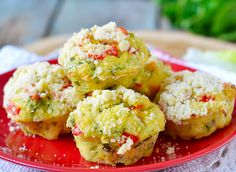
point(20, 156)
point(29, 135)
point(170, 150)
point(23, 148)
point(6, 150)
point(163, 159)
point(154, 159)
point(94, 167)
point(13, 127)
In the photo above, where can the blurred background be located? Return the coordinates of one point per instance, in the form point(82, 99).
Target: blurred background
point(23, 22)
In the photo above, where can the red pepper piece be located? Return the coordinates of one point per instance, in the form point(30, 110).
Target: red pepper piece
point(89, 94)
point(35, 97)
point(76, 131)
point(113, 51)
point(133, 137)
point(96, 57)
point(67, 83)
point(12, 108)
point(123, 30)
point(206, 98)
point(138, 107)
point(137, 85)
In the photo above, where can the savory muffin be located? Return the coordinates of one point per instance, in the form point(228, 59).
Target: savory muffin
point(116, 126)
point(103, 57)
point(39, 97)
point(150, 78)
point(195, 104)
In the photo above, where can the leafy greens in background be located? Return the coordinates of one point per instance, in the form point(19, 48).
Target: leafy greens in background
point(215, 18)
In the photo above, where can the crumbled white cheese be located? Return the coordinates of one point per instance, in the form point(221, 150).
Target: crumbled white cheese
point(124, 45)
point(112, 110)
point(96, 62)
point(98, 70)
point(40, 81)
point(125, 147)
point(151, 116)
point(132, 50)
point(170, 150)
point(81, 46)
point(83, 34)
point(108, 32)
point(105, 32)
point(96, 49)
point(179, 100)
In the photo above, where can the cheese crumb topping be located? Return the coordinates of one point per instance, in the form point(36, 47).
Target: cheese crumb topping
point(96, 41)
point(124, 45)
point(108, 32)
point(181, 98)
point(125, 147)
point(110, 113)
point(33, 85)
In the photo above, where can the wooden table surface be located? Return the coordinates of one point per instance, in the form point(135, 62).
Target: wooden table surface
point(173, 42)
point(25, 22)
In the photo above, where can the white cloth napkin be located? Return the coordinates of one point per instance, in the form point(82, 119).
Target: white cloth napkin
point(12, 57)
point(224, 75)
point(221, 160)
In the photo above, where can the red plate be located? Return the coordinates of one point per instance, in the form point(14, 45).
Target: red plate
point(62, 155)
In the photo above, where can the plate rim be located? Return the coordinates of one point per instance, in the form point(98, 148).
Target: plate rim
point(160, 165)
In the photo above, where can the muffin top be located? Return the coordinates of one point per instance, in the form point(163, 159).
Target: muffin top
point(111, 115)
point(189, 94)
point(102, 52)
point(38, 92)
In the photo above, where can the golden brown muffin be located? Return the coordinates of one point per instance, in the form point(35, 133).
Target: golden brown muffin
point(39, 97)
point(102, 57)
point(195, 104)
point(116, 126)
